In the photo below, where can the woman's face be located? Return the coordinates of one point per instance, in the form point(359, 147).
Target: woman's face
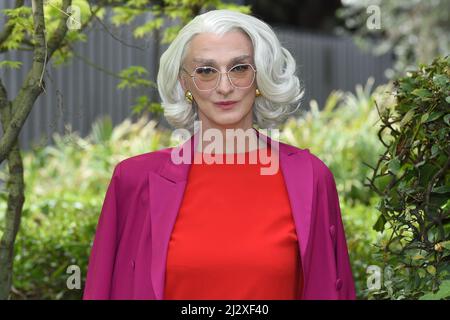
point(222, 53)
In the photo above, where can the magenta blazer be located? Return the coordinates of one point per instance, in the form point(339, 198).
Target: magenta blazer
point(128, 256)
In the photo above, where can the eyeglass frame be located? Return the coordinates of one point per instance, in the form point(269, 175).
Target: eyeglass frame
point(220, 76)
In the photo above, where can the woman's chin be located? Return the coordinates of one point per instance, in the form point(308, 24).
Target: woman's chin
point(228, 121)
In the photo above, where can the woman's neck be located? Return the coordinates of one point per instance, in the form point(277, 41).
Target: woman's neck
point(229, 141)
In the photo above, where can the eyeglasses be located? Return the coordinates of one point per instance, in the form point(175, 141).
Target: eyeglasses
point(207, 78)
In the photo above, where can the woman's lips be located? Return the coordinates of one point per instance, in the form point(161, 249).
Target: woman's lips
point(225, 104)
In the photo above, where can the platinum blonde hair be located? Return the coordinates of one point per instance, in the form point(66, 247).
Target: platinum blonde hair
point(275, 77)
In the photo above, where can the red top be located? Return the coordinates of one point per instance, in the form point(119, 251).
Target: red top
point(234, 237)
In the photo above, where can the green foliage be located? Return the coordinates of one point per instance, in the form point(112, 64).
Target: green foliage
point(148, 27)
point(143, 103)
point(10, 64)
point(21, 20)
point(412, 178)
point(52, 13)
point(443, 292)
point(416, 31)
point(135, 77)
point(167, 12)
point(124, 15)
point(361, 239)
point(132, 78)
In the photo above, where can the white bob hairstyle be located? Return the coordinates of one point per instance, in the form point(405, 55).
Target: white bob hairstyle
point(275, 77)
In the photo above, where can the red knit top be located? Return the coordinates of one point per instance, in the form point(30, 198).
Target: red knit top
point(234, 237)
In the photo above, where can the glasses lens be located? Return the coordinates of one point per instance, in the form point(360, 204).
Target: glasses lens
point(242, 75)
point(206, 78)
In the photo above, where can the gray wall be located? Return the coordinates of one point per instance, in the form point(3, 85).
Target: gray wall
point(326, 63)
point(78, 94)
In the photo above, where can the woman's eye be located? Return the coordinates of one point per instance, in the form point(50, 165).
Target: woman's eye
point(240, 68)
point(205, 70)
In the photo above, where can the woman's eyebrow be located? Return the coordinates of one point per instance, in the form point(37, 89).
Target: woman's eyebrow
point(212, 61)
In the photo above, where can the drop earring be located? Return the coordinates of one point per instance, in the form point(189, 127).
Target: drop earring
point(258, 93)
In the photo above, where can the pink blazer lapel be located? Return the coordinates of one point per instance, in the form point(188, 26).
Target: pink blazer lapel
point(166, 190)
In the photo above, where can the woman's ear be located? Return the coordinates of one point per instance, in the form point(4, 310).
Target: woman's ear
point(182, 82)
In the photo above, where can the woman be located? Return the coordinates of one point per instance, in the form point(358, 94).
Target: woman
point(190, 222)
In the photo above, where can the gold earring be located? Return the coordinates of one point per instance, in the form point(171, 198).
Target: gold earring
point(258, 93)
point(188, 96)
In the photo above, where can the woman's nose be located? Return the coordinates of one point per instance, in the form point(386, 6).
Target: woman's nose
point(224, 86)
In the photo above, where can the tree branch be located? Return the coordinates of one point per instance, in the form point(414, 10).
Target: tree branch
point(113, 35)
point(33, 84)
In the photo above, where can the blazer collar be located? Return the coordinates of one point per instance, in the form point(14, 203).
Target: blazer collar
point(166, 190)
point(179, 172)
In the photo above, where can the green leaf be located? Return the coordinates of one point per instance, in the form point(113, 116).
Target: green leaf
point(394, 166)
point(148, 27)
point(424, 117)
point(10, 64)
point(447, 117)
point(131, 78)
point(443, 292)
point(382, 182)
point(447, 99)
point(441, 189)
point(431, 270)
point(379, 225)
point(421, 92)
point(434, 150)
point(421, 273)
point(428, 296)
point(434, 116)
point(440, 80)
point(407, 117)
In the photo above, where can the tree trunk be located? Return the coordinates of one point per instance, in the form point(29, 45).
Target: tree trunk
point(15, 189)
point(16, 198)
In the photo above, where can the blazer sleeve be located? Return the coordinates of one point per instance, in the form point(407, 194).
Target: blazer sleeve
point(102, 258)
point(345, 285)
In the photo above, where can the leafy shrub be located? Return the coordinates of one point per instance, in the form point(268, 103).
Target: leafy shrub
point(412, 177)
point(358, 220)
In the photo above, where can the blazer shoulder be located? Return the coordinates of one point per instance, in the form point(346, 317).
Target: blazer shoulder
point(320, 169)
point(307, 158)
point(135, 168)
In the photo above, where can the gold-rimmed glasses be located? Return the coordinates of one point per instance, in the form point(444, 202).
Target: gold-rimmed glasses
point(207, 78)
